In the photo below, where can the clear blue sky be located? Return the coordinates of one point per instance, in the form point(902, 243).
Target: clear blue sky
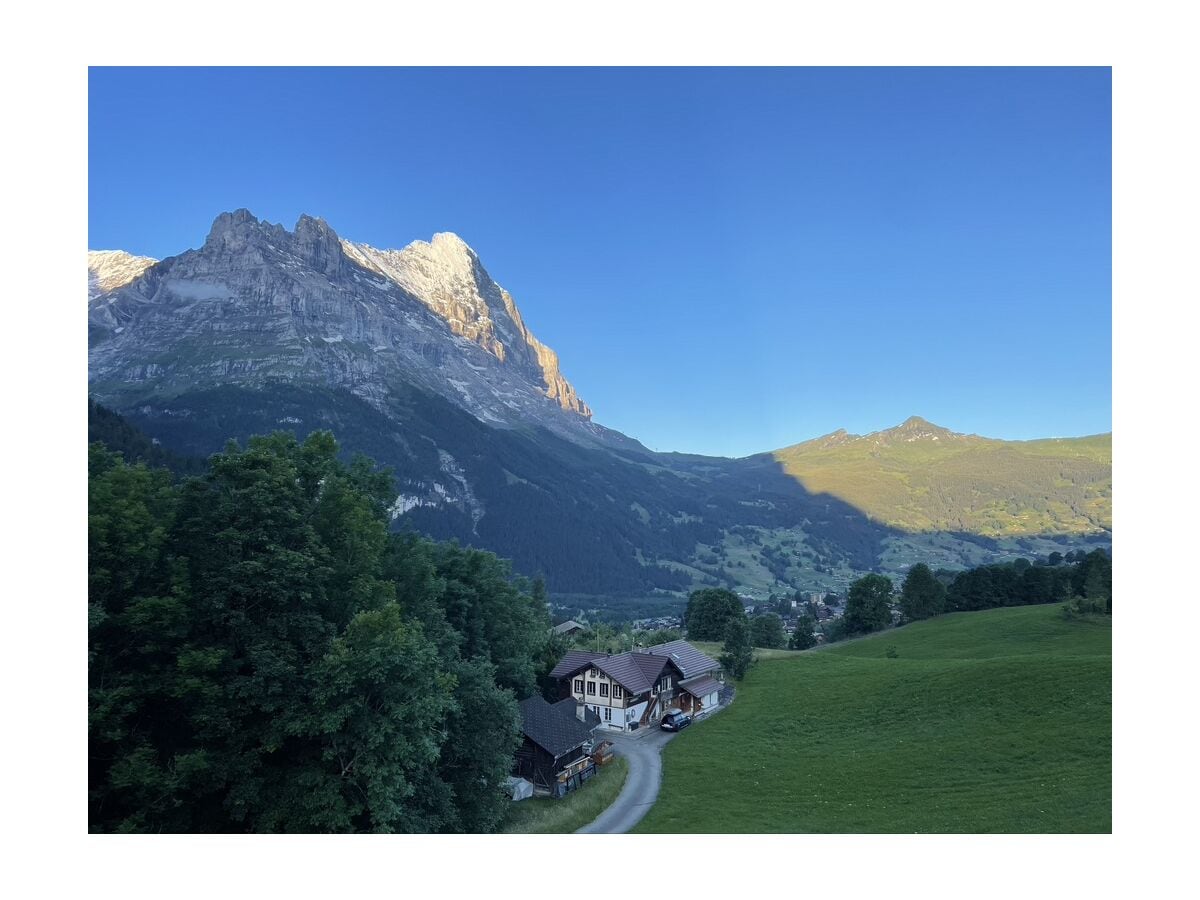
point(727, 261)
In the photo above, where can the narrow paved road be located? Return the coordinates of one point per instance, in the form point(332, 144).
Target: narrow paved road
point(641, 784)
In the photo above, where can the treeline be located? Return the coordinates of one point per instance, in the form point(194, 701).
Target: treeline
point(264, 656)
point(1078, 576)
point(1081, 581)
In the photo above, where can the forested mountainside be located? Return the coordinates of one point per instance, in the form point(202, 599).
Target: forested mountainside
point(418, 358)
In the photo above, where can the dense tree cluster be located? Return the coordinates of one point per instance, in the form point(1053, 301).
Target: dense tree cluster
point(264, 656)
point(803, 637)
point(737, 653)
point(1079, 575)
point(709, 612)
point(922, 595)
point(868, 605)
point(766, 631)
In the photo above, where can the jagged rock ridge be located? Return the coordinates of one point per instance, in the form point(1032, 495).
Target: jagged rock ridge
point(447, 276)
point(257, 302)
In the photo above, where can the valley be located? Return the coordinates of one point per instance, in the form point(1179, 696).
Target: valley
point(419, 359)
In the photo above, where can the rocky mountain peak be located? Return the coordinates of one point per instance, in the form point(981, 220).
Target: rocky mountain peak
point(446, 275)
point(914, 428)
point(258, 303)
point(228, 225)
point(112, 269)
point(319, 245)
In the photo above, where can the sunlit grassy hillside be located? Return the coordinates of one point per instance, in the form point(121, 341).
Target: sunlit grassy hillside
point(919, 477)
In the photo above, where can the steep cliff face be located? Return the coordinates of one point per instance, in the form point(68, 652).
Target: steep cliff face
point(447, 276)
point(258, 302)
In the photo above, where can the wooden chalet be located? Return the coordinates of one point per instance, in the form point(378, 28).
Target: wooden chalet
point(634, 689)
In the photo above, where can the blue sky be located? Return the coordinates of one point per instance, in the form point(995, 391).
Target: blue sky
point(727, 261)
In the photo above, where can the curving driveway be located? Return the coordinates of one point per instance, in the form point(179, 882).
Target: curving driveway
point(641, 784)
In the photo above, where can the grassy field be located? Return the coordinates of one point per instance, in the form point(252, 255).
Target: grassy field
point(715, 648)
point(981, 722)
point(542, 815)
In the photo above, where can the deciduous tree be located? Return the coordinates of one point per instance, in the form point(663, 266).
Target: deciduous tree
point(867, 605)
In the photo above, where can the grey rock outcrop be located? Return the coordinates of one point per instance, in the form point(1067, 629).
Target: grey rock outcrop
point(259, 302)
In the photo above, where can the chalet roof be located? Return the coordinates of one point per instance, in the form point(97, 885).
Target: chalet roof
point(701, 685)
point(554, 728)
point(573, 662)
point(564, 627)
point(636, 672)
point(690, 661)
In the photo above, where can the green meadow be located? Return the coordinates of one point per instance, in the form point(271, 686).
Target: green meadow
point(996, 721)
point(544, 815)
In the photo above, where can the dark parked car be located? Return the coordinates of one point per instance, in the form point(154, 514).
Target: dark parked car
point(675, 721)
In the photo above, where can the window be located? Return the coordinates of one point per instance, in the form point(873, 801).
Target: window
point(617, 691)
point(591, 687)
point(579, 685)
point(608, 714)
point(603, 689)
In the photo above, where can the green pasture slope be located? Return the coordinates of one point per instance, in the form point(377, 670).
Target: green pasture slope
point(996, 721)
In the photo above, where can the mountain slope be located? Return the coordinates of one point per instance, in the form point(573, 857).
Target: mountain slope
point(919, 477)
point(418, 358)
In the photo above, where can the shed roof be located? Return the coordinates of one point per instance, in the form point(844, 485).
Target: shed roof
point(701, 685)
point(552, 727)
point(590, 717)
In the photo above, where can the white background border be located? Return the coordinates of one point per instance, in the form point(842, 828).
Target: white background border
point(45, 231)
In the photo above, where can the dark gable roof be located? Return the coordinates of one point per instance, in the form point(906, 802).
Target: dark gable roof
point(571, 706)
point(690, 661)
point(573, 662)
point(554, 728)
point(636, 672)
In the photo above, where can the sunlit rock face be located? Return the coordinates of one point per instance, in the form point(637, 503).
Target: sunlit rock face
point(259, 303)
point(447, 276)
point(112, 269)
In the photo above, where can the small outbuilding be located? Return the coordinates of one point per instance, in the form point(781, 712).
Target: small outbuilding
point(554, 754)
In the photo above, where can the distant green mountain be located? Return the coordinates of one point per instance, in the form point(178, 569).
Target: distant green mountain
point(919, 477)
point(420, 360)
